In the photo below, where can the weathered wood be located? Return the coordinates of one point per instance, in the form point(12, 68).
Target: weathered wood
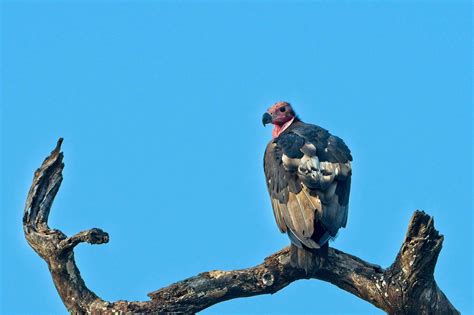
point(406, 287)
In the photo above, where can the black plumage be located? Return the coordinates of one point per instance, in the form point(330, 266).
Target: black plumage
point(308, 175)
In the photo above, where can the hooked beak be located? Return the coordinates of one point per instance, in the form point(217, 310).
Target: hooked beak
point(266, 119)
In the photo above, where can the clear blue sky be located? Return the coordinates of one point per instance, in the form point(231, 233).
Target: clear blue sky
point(160, 106)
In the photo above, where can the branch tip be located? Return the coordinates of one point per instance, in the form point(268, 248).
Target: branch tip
point(92, 236)
point(58, 144)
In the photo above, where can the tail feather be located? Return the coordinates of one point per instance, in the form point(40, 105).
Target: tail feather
point(308, 259)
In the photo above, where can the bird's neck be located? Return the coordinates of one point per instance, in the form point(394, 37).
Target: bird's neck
point(277, 130)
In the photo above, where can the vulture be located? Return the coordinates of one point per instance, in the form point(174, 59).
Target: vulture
point(308, 174)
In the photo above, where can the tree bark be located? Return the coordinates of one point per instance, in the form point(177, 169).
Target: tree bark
point(406, 287)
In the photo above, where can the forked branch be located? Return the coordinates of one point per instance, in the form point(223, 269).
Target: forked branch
point(406, 287)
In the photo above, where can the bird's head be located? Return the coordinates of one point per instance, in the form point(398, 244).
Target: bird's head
point(281, 115)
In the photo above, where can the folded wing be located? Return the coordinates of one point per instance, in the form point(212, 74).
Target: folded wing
point(308, 175)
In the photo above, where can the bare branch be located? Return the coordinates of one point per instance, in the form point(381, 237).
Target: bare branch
point(406, 287)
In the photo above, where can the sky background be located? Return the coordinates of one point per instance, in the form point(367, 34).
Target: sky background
point(160, 105)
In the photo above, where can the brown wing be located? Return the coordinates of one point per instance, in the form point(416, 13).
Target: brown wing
point(308, 178)
point(293, 205)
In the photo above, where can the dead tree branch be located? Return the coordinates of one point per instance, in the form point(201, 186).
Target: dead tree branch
point(406, 287)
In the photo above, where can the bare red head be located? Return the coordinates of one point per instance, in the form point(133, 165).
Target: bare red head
point(281, 115)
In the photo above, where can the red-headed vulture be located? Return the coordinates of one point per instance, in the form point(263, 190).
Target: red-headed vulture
point(308, 174)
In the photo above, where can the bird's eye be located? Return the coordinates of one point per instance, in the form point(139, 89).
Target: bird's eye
point(282, 109)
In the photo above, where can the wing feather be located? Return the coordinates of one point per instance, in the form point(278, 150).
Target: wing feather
point(309, 215)
point(277, 211)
